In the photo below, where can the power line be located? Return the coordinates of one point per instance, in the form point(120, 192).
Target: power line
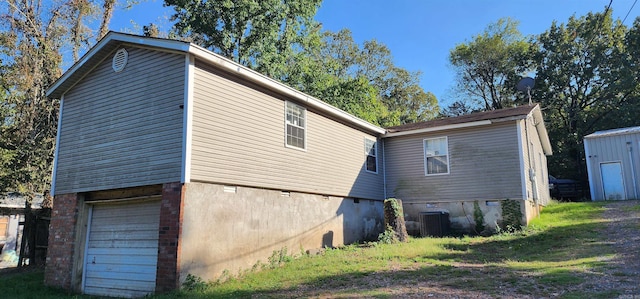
point(632, 5)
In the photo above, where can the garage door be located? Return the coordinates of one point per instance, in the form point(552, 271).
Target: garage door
point(122, 249)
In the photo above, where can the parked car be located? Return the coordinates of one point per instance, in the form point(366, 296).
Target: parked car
point(565, 189)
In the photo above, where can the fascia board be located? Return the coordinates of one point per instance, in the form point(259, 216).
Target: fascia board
point(439, 128)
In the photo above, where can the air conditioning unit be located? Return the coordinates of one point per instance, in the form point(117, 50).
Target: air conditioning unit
point(434, 224)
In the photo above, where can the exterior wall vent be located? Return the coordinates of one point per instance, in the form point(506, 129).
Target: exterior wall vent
point(434, 224)
point(230, 189)
point(120, 60)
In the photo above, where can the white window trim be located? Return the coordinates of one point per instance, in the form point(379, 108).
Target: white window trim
point(424, 156)
point(304, 114)
point(366, 154)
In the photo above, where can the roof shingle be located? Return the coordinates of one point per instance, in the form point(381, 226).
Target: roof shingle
point(477, 116)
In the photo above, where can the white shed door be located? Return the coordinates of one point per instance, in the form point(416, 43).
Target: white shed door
point(122, 249)
point(612, 181)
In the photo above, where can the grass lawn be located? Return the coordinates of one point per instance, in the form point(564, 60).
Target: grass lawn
point(555, 256)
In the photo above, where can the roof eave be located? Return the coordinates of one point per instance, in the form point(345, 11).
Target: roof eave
point(542, 130)
point(59, 88)
point(439, 128)
point(260, 79)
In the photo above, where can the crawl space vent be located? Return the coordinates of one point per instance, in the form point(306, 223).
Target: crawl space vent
point(120, 60)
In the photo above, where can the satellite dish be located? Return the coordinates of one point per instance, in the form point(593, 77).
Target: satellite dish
point(525, 85)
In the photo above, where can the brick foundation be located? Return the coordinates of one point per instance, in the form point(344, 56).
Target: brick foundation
point(62, 238)
point(167, 275)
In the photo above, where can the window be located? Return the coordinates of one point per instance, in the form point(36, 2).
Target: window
point(370, 152)
point(436, 156)
point(296, 124)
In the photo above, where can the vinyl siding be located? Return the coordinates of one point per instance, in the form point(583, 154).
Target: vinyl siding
point(483, 164)
point(614, 149)
point(239, 139)
point(534, 158)
point(123, 129)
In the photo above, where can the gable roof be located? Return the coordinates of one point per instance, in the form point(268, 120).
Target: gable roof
point(113, 40)
point(614, 132)
point(478, 119)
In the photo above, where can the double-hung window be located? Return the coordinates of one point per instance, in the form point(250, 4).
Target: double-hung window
point(436, 156)
point(371, 154)
point(295, 125)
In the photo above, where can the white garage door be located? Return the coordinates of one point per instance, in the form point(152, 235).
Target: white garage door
point(122, 249)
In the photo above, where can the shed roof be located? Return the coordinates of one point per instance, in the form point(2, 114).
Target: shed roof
point(478, 119)
point(520, 111)
point(613, 132)
point(113, 40)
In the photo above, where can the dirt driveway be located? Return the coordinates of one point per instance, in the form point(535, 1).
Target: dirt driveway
point(623, 233)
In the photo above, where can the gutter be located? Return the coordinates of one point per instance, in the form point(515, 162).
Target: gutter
point(438, 128)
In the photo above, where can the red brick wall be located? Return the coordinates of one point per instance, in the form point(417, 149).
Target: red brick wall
point(167, 276)
point(62, 237)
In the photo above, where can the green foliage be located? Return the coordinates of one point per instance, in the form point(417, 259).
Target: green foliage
point(279, 258)
point(394, 221)
point(478, 217)
point(388, 236)
point(260, 34)
point(194, 283)
point(561, 253)
point(362, 80)
point(280, 39)
point(33, 37)
point(586, 80)
point(511, 215)
point(393, 206)
point(489, 67)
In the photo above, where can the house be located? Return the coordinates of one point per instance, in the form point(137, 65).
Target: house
point(172, 160)
point(473, 162)
point(613, 163)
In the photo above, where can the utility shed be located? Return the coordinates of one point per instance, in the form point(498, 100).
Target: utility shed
point(613, 163)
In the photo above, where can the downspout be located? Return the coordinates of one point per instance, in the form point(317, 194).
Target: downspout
point(633, 170)
point(590, 171)
point(56, 151)
point(384, 170)
point(532, 172)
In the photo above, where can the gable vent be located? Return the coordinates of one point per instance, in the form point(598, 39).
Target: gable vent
point(120, 60)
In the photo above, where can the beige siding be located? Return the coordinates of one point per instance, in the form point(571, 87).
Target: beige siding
point(238, 138)
point(534, 158)
point(483, 164)
point(123, 129)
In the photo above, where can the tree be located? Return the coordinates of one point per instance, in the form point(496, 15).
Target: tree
point(457, 108)
point(387, 94)
point(260, 34)
point(583, 75)
point(489, 67)
point(280, 39)
point(33, 37)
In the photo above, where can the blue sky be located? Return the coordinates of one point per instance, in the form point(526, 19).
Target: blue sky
point(419, 33)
